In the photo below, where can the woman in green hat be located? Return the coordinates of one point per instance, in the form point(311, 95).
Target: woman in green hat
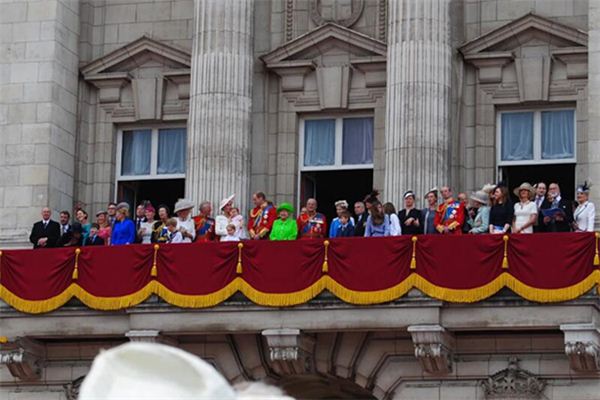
point(284, 227)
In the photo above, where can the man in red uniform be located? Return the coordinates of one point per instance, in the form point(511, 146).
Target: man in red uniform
point(204, 223)
point(261, 218)
point(312, 224)
point(450, 215)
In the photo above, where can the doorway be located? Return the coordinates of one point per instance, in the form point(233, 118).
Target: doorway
point(563, 174)
point(330, 186)
point(161, 191)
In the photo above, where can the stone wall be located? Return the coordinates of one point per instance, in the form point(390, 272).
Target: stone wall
point(38, 111)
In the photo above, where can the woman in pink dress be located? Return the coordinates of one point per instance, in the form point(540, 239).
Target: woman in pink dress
point(105, 229)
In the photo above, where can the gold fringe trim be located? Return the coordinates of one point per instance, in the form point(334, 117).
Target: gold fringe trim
point(413, 259)
point(325, 268)
point(294, 298)
point(36, 306)
point(238, 267)
point(76, 269)
point(597, 257)
point(505, 258)
point(113, 303)
point(197, 301)
point(154, 270)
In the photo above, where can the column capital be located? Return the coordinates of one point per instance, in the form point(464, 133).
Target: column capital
point(582, 346)
point(24, 358)
point(434, 346)
point(290, 350)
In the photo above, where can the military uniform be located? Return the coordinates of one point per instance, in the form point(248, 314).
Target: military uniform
point(261, 220)
point(450, 214)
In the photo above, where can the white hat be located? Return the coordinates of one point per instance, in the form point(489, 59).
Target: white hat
point(226, 201)
point(153, 371)
point(481, 197)
point(183, 204)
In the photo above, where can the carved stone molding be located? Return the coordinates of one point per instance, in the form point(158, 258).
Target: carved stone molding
point(582, 346)
point(347, 20)
point(576, 60)
point(24, 358)
point(150, 336)
point(490, 65)
point(290, 351)
point(433, 348)
point(513, 383)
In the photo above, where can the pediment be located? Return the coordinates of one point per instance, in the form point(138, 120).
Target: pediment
point(530, 29)
point(143, 51)
point(329, 38)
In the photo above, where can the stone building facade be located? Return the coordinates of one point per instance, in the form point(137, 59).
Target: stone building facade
point(97, 96)
point(295, 98)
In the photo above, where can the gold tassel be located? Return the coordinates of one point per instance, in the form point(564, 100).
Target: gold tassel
point(597, 257)
point(413, 260)
point(325, 268)
point(238, 268)
point(76, 270)
point(505, 259)
point(154, 270)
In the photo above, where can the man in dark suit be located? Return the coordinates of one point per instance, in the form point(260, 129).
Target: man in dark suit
point(45, 233)
point(561, 220)
point(361, 218)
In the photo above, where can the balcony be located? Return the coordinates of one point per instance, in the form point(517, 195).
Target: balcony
point(356, 312)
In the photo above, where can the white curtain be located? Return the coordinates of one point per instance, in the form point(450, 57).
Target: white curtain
point(136, 152)
point(358, 141)
point(557, 134)
point(517, 136)
point(171, 151)
point(319, 142)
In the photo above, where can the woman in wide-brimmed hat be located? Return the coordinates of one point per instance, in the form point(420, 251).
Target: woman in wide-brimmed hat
point(480, 201)
point(185, 224)
point(284, 227)
point(526, 212)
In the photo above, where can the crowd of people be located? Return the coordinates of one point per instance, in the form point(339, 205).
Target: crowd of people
point(539, 208)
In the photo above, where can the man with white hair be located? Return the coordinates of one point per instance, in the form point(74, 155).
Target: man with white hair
point(45, 233)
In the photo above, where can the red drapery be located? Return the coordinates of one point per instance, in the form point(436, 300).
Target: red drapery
point(542, 267)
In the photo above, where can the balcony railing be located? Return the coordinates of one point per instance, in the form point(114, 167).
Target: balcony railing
point(540, 267)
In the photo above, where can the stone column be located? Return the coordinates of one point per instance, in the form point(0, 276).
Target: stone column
point(218, 161)
point(593, 145)
point(419, 62)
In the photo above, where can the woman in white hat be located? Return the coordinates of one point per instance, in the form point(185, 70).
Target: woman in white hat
point(525, 210)
point(480, 223)
point(185, 224)
point(585, 213)
point(229, 215)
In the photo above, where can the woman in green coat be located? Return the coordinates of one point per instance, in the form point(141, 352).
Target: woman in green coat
point(284, 227)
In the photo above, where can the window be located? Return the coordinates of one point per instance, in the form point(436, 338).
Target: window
point(536, 137)
point(336, 143)
point(151, 153)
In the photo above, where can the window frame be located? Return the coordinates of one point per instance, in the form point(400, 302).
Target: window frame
point(537, 137)
point(154, 175)
point(339, 138)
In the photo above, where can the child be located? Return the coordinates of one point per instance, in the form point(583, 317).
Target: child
point(93, 239)
point(174, 236)
point(231, 234)
point(345, 228)
point(238, 221)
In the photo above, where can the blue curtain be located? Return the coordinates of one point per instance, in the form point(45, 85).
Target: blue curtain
point(137, 147)
point(517, 136)
point(171, 151)
point(319, 142)
point(358, 141)
point(557, 134)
